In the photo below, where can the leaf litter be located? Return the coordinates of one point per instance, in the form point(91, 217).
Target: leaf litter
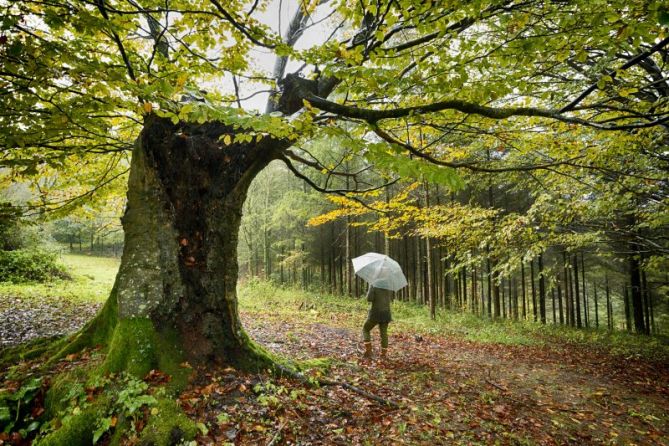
point(450, 391)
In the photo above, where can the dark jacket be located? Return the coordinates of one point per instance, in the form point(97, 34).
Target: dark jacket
point(380, 299)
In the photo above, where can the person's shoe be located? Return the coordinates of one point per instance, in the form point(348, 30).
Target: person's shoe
point(368, 350)
point(384, 353)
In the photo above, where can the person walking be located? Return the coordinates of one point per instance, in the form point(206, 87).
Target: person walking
point(379, 314)
point(384, 276)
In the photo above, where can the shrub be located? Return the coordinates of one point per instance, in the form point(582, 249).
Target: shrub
point(27, 265)
point(10, 235)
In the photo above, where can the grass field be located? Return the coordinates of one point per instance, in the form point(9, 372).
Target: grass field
point(261, 297)
point(92, 280)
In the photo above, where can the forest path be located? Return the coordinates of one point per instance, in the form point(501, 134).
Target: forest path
point(458, 391)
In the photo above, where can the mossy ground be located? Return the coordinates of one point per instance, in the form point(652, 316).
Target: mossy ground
point(103, 351)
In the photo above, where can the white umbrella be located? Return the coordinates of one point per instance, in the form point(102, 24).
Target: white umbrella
point(380, 271)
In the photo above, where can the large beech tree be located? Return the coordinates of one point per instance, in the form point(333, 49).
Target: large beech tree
point(409, 84)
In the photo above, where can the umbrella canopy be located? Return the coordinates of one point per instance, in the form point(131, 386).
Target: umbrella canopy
point(380, 271)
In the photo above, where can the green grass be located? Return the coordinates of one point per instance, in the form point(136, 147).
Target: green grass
point(263, 297)
point(92, 280)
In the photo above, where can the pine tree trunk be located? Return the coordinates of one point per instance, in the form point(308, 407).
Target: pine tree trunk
point(609, 308)
point(577, 299)
point(636, 291)
point(586, 309)
point(465, 301)
point(515, 298)
point(534, 292)
point(569, 293)
point(542, 290)
point(594, 295)
point(503, 297)
point(282, 278)
point(474, 297)
point(483, 296)
point(646, 301)
point(524, 292)
point(495, 291)
point(490, 291)
point(628, 316)
point(559, 296)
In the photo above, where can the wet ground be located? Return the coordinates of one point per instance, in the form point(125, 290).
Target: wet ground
point(24, 319)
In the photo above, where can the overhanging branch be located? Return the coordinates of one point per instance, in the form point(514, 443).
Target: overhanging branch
point(612, 73)
point(469, 166)
point(342, 192)
point(117, 40)
point(319, 166)
point(497, 113)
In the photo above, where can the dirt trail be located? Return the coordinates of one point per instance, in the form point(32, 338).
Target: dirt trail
point(24, 319)
point(465, 392)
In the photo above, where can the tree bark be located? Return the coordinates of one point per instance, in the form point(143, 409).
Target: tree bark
point(609, 308)
point(542, 290)
point(534, 291)
point(559, 296)
point(628, 316)
point(577, 299)
point(586, 306)
point(495, 290)
point(522, 285)
point(594, 295)
point(636, 292)
point(179, 269)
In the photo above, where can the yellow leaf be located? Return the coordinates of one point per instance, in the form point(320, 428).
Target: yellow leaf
point(148, 107)
point(227, 140)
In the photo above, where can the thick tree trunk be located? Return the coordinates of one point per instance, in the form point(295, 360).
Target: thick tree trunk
point(178, 273)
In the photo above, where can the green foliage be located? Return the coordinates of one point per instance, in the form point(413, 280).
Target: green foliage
point(27, 265)
point(9, 227)
point(130, 395)
point(15, 408)
point(663, 16)
point(116, 401)
point(395, 161)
